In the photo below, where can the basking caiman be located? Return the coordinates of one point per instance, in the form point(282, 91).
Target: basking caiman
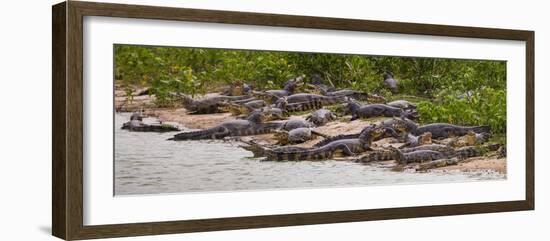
point(321, 117)
point(414, 141)
point(136, 124)
point(299, 106)
point(375, 110)
point(325, 100)
point(207, 105)
point(390, 131)
point(237, 88)
point(421, 154)
point(295, 136)
point(470, 139)
point(142, 127)
point(403, 104)
point(357, 95)
point(294, 123)
point(244, 108)
point(406, 123)
point(418, 156)
point(271, 96)
point(253, 125)
point(260, 150)
point(376, 156)
point(443, 130)
point(347, 147)
point(435, 152)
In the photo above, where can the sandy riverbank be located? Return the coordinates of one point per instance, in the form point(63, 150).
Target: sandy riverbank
point(180, 116)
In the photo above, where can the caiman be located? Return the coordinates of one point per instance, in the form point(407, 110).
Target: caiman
point(253, 125)
point(357, 95)
point(470, 139)
point(241, 112)
point(426, 153)
point(406, 123)
point(436, 164)
point(435, 152)
point(443, 130)
point(346, 147)
point(237, 88)
point(390, 131)
point(324, 100)
point(207, 105)
point(136, 124)
point(295, 136)
point(418, 156)
point(376, 110)
point(260, 150)
point(244, 108)
point(299, 106)
point(321, 117)
point(271, 96)
point(414, 141)
point(403, 104)
point(376, 156)
point(294, 123)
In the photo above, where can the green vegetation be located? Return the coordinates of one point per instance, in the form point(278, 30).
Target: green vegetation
point(468, 92)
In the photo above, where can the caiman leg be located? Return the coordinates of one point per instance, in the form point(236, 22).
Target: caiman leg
point(221, 134)
point(367, 147)
point(345, 149)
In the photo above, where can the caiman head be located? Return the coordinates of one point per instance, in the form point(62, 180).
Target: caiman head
point(281, 103)
point(236, 88)
point(400, 127)
point(397, 155)
point(292, 84)
point(408, 123)
point(371, 133)
point(234, 109)
point(470, 138)
point(425, 138)
point(257, 117)
point(187, 101)
point(282, 137)
point(351, 106)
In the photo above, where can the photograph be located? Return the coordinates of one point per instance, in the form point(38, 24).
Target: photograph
point(190, 119)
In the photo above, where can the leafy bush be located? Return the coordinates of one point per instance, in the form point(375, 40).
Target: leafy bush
point(485, 106)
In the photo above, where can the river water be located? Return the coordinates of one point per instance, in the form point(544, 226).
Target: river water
point(146, 163)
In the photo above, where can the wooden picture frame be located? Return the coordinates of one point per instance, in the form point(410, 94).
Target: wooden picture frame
point(67, 124)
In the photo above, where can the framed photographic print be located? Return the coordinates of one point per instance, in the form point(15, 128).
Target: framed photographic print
point(170, 120)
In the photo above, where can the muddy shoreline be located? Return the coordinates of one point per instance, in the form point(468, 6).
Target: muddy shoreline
point(179, 116)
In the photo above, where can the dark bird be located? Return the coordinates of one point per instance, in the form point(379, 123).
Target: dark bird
point(390, 82)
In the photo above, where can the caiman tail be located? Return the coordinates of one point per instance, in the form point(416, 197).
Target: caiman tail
point(376, 156)
point(481, 129)
point(198, 135)
point(469, 151)
point(330, 139)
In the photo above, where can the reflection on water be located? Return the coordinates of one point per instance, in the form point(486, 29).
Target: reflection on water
point(145, 163)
